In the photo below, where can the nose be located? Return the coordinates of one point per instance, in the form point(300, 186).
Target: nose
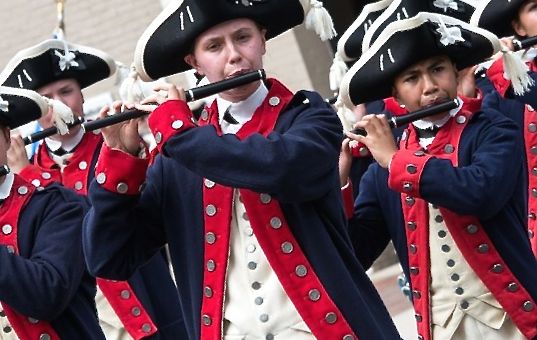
point(234, 55)
point(429, 85)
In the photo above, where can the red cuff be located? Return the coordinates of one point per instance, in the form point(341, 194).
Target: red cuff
point(120, 172)
point(348, 199)
point(472, 104)
point(168, 119)
point(39, 177)
point(496, 75)
point(360, 151)
point(405, 171)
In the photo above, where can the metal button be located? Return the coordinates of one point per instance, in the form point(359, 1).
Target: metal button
point(125, 294)
point(419, 153)
point(249, 231)
point(7, 229)
point(274, 101)
point(461, 119)
point(23, 190)
point(348, 337)
point(455, 277)
point(10, 249)
point(442, 233)
point(363, 151)
point(2, 314)
point(83, 165)
point(445, 248)
point(101, 178)
point(208, 292)
point(418, 317)
point(122, 188)
point(439, 219)
point(464, 304)
point(301, 270)
point(250, 248)
point(7, 329)
point(407, 187)
point(420, 337)
point(414, 270)
point(275, 223)
point(208, 183)
point(450, 263)
point(531, 234)
point(533, 150)
point(483, 248)
point(136, 311)
point(258, 300)
point(79, 185)
point(497, 268)
point(409, 200)
point(528, 306)
point(314, 295)
point(177, 124)
point(44, 336)
point(36, 183)
point(531, 216)
point(158, 137)
point(211, 265)
point(330, 317)
point(512, 287)
point(210, 210)
point(411, 169)
point(206, 319)
point(256, 285)
point(204, 114)
point(530, 108)
point(449, 148)
point(265, 198)
point(416, 294)
point(146, 328)
point(411, 225)
point(210, 238)
point(534, 171)
point(532, 127)
point(269, 337)
point(471, 229)
point(263, 317)
point(459, 291)
point(252, 265)
point(413, 248)
point(46, 175)
point(245, 216)
point(534, 192)
point(33, 321)
point(287, 247)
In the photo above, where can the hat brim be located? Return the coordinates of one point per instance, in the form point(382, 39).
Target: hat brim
point(350, 44)
point(496, 16)
point(24, 106)
point(161, 49)
point(372, 76)
point(38, 65)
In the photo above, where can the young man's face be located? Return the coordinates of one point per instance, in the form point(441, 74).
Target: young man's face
point(66, 91)
point(426, 83)
point(5, 142)
point(526, 23)
point(227, 50)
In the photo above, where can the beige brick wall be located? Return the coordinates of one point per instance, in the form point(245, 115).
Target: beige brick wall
point(115, 25)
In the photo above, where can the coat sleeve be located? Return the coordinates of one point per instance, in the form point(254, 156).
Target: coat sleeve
point(42, 279)
point(481, 188)
point(295, 163)
point(367, 227)
point(122, 231)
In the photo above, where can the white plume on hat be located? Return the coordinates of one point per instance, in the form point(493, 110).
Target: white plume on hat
point(318, 19)
point(61, 115)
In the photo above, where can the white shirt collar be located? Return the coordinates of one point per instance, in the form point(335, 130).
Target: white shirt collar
point(530, 54)
point(5, 187)
point(242, 111)
point(68, 145)
point(423, 124)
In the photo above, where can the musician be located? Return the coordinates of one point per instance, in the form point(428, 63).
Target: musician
point(450, 197)
point(146, 305)
point(248, 199)
point(45, 291)
point(507, 19)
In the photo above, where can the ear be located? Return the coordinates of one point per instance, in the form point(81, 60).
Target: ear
point(264, 37)
point(519, 29)
point(6, 135)
point(191, 60)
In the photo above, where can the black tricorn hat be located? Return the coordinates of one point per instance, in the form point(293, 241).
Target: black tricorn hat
point(496, 16)
point(54, 59)
point(20, 106)
point(425, 36)
point(404, 9)
point(170, 37)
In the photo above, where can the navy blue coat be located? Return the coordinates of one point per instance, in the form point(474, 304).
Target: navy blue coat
point(296, 163)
